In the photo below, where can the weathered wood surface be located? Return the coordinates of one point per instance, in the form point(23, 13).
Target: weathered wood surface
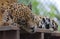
point(42, 36)
point(9, 32)
point(53, 33)
point(4, 28)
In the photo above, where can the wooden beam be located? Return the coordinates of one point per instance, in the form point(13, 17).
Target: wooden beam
point(43, 30)
point(53, 33)
point(3, 28)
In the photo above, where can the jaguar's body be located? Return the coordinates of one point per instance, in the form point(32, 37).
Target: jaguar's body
point(48, 23)
point(22, 15)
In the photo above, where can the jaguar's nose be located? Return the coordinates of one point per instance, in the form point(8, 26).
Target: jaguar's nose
point(33, 29)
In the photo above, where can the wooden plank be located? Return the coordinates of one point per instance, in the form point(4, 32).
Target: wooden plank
point(3, 28)
point(53, 33)
point(43, 30)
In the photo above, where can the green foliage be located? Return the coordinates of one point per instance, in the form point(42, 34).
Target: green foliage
point(57, 16)
point(26, 2)
point(59, 28)
point(52, 12)
point(34, 6)
point(52, 15)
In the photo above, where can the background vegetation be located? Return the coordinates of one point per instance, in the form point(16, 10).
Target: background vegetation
point(45, 9)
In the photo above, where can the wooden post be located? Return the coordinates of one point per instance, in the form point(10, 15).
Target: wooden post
point(18, 34)
point(8, 32)
point(4, 35)
point(42, 35)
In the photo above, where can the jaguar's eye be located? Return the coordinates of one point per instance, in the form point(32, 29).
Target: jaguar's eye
point(21, 21)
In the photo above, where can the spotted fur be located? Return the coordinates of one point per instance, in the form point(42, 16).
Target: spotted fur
point(22, 15)
point(19, 14)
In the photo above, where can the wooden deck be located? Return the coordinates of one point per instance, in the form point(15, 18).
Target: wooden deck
point(53, 33)
point(9, 32)
point(42, 34)
point(13, 32)
point(4, 28)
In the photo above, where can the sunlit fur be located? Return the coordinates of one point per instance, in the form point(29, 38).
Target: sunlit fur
point(22, 15)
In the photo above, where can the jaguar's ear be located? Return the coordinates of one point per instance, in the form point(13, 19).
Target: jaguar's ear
point(30, 5)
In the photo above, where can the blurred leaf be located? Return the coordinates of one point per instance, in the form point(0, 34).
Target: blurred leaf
point(34, 7)
point(26, 2)
point(52, 15)
point(57, 16)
